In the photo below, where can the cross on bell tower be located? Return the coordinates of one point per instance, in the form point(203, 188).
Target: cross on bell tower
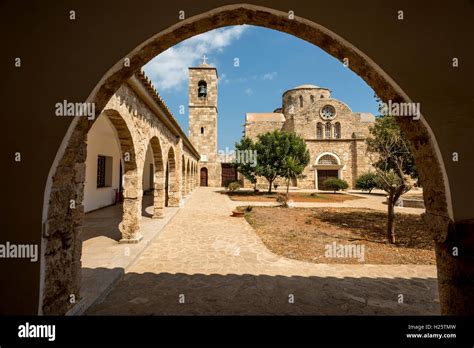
point(204, 59)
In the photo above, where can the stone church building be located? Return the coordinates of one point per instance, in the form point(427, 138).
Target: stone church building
point(334, 135)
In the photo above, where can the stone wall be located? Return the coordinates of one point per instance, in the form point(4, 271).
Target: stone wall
point(253, 129)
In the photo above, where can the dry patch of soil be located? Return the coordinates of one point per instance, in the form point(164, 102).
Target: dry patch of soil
point(295, 196)
point(306, 233)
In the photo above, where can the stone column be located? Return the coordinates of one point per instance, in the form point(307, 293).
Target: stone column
point(174, 181)
point(159, 196)
point(183, 183)
point(132, 209)
point(174, 192)
point(454, 245)
point(188, 181)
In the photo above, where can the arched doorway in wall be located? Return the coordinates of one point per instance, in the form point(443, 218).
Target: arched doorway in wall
point(328, 166)
point(428, 160)
point(203, 177)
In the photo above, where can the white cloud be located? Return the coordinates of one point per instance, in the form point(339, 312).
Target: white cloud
point(248, 91)
point(269, 76)
point(169, 70)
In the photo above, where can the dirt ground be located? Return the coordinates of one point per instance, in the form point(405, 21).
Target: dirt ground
point(248, 196)
point(306, 233)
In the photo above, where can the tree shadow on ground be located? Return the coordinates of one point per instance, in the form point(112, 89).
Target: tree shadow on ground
point(371, 225)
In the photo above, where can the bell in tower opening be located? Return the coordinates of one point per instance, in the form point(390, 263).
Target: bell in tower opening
point(202, 89)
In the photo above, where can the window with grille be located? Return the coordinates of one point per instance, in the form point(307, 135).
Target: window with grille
point(104, 171)
point(328, 160)
point(319, 131)
point(327, 133)
point(337, 130)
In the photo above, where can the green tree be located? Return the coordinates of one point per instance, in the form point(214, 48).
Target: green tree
point(336, 184)
point(291, 169)
point(246, 168)
point(389, 152)
point(366, 182)
point(280, 154)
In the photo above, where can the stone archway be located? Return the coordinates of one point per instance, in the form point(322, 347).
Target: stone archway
point(454, 290)
point(188, 177)
point(132, 193)
point(172, 179)
point(183, 176)
point(158, 179)
point(61, 242)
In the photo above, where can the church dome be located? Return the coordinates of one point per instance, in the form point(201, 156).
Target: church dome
point(307, 86)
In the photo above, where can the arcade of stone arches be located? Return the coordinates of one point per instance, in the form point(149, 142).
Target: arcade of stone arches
point(136, 146)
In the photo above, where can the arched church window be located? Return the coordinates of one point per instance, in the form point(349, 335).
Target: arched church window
point(319, 130)
point(202, 130)
point(327, 160)
point(327, 131)
point(337, 130)
point(301, 101)
point(322, 96)
point(202, 89)
point(312, 99)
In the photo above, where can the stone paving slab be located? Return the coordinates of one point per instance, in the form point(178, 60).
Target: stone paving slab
point(221, 266)
point(104, 260)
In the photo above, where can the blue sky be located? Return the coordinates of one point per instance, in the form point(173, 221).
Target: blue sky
point(270, 62)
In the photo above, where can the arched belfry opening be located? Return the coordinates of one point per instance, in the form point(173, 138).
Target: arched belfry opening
point(202, 89)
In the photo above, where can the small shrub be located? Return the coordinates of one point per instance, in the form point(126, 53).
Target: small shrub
point(366, 182)
point(233, 186)
point(248, 209)
point(281, 198)
point(336, 184)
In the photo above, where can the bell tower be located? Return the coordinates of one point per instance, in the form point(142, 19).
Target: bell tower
point(203, 120)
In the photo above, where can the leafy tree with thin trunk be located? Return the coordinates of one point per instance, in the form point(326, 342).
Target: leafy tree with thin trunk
point(246, 168)
point(292, 168)
point(366, 182)
point(336, 184)
point(389, 152)
point(280, 154)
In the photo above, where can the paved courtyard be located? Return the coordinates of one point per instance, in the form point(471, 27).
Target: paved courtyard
point(206, 262)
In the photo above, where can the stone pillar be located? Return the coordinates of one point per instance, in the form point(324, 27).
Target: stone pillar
point(159, 196)
point(183, 183)
point(188, 181)
point(454, 246)
point(174, 181)
point(174, 197)
point(132, 209)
